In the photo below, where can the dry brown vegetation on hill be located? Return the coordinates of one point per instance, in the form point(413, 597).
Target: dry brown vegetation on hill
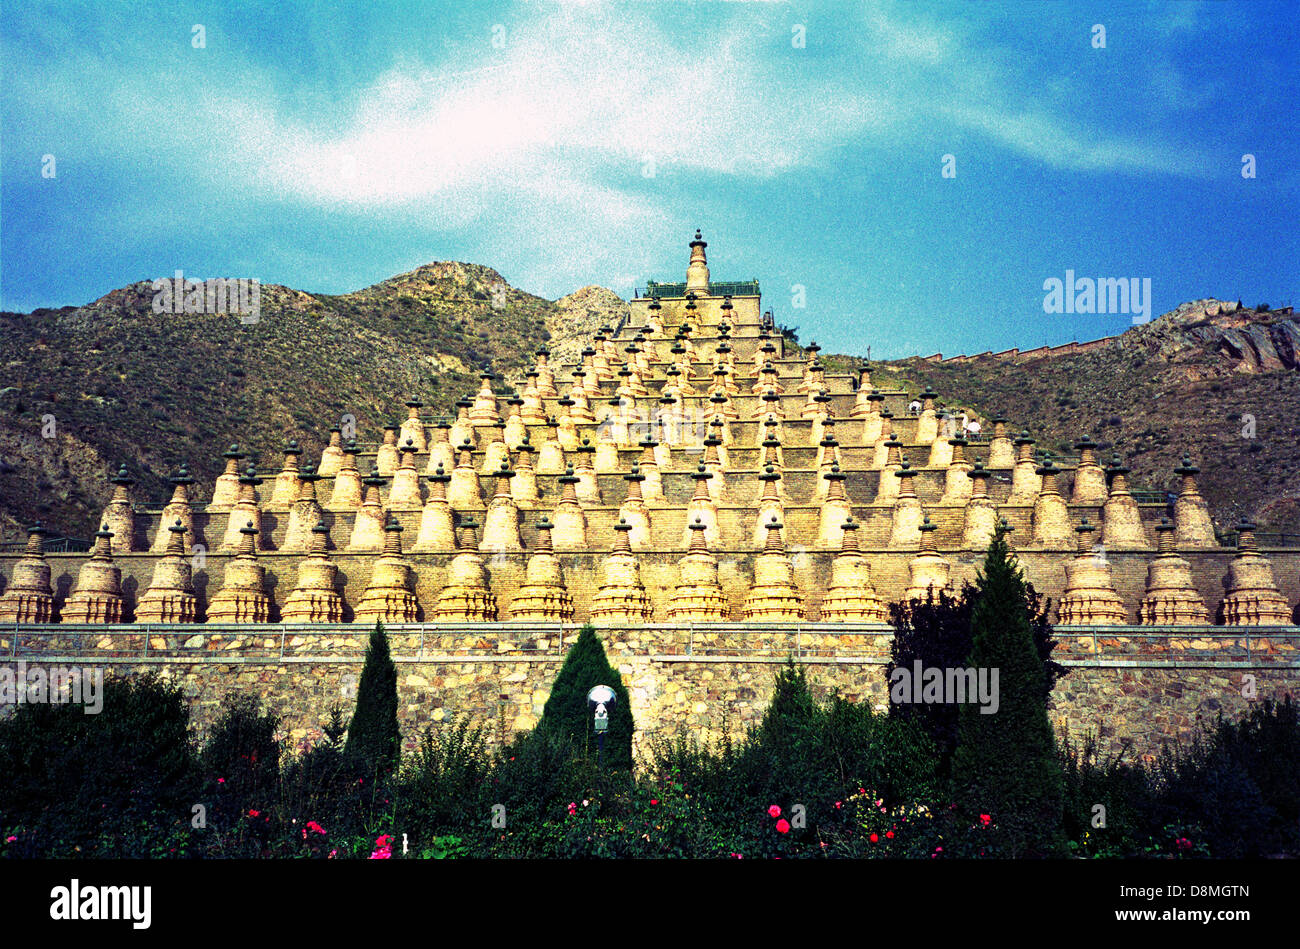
point(1182, 384)
point(124, 384)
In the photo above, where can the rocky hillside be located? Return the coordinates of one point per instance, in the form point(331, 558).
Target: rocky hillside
point(1208, 379)
point(113, 381)
point(582, 314)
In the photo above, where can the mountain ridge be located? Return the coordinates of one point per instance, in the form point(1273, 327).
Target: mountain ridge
point(123, 383)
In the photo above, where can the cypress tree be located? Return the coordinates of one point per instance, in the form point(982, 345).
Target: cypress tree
point(374, 742)
point(1005, 763)
point(566, 711)
point(937, 631)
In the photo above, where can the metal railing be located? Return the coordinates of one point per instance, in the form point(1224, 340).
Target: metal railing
point(52, 545)
point(742, 288)
point(687, 642)
point(1265, 539)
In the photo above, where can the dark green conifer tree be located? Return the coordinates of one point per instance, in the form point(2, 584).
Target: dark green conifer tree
point(1005, 763)
point(566, 711)
point(374, 744)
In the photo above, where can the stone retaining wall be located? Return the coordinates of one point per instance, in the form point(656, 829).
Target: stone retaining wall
point(1138, 685)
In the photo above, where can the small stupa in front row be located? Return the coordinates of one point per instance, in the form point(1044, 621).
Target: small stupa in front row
point(699, 597)
point(315, 598)
point(1253, 598)
point(467, 596)
point(97, 597)
point(1171, 598)
point(29, 598)
point(388, 597)
point(242, 597)
point(621, 598)
point(1090, 598)
point(773, 598)
point(929, 569)
point(850, 597)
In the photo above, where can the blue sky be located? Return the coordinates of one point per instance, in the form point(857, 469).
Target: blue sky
point(328, 148)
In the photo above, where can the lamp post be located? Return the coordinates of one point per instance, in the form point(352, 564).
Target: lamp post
point(600, 699)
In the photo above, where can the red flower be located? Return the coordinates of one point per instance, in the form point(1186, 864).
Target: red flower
point(774, 811)
point(889, 834)
point(254, 813)
point(783, 826)
point(315, 827)
point(221, 780)
point(654, 801)
point(985, 819)
point(874, 839)
point(838, 805)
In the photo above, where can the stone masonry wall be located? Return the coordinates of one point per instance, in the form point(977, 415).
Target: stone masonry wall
point(1138, 685)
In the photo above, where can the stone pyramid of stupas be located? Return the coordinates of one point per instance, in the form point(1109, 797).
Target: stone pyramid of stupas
point(694, 466)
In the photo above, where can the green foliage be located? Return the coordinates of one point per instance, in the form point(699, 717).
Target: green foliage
point(1240, 787)
point(1110, 806)
point(119, 783)
point(243, 751)
point(442, 787)
point(802, 753)
point(937, 632)
point(374, 742)
point(444, 848)
point(1005, 762)
point(567, 713)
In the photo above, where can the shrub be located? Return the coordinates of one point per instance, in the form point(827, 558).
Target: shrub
point(442, 784)
point(566, 712)
point(244, 753)
point(817, 756)
point(1240, 787)
point(1005, 763)
point(374, 741)
point(1129, 821)
point(937, 632)
point(119, 783)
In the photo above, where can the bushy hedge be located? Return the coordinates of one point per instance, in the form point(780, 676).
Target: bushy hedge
point(567, 714)
point(120, 783)
point(812, 779)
